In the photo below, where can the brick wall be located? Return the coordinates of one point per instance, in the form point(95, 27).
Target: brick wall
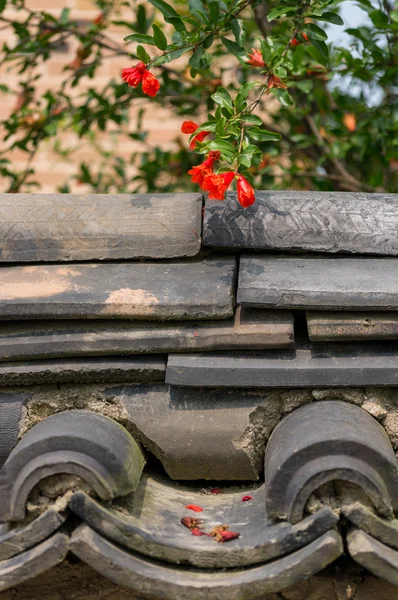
point(51, 170)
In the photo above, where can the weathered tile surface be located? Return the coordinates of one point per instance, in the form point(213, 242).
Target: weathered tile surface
point(376, 557)
point(317, 221)
point(10, 415)
point(147, 290)
point(62, 227)
point(334, 365)
point(177, 583)
point(251, 328)
point(16, 538)
point(33, 562)
point(157, 506)
point(201, 434)
point(366, 519)
point(335, 326)
point(83, 370)
point(323, 442)
point(81, 443)
point(319, 283)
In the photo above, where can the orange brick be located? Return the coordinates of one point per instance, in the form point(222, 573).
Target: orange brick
point(85, 4)
point(44, 4)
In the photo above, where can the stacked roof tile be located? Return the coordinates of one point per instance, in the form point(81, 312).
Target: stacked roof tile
point(123, 336)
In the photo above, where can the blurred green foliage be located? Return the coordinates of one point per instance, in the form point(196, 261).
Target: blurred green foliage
point(334, 127)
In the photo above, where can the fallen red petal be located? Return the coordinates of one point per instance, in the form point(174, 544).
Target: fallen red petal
point(191, 523)
point(227, 536)
point(194, 507)
point(247, 498)
point(216, 491)
point(198, 532)
point(217, 531)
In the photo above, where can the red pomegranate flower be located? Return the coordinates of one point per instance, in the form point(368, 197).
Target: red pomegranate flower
point(296, 42)
point(256, 59)
point(275, 82)
point(191, 127)
point(245, 191)
point(199, 137)
point(150, 85)
point(200, 171)
point(99, 19)
point(133, 75)
point(217, 184)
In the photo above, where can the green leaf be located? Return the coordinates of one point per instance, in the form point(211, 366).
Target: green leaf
point(226, 111)
point(169, 56)
point(214, 10)
point(143, 55)
point(196, 57)
point(277, 12)
point(221, 126)
point(233, 129)
point(159, 37)
point(207, 126)
point(282, 96)
point(247, 175)
point(263, 135)
point(315, 32)
point(166, 10)
point(196, 7)
point(251, 149)
point(64, 18)
point(207, 42)
point(280, 72)
point(233, 47)
point(252, 119)
point(245, 160)
point(141, 23)
point(2, 5)
point(321, 47)
point(236, 26)
point(222, 98)
point(329, 17)
point(305, 86)
point(142, 38)
point(170, 15)
point(243, 93)
point(266, 52)
point(223, 146)
point(379, 18)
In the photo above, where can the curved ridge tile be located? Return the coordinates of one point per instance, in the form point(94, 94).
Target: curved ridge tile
point(10, 415)
point(153, 526)
point(149, 577)
point(77, 442)
point(326, 441)
point(14, 540)
point(367, 520)
point(33, 562)
point(377, 558)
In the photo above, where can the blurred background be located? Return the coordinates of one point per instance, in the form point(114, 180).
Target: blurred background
point(70, 124)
